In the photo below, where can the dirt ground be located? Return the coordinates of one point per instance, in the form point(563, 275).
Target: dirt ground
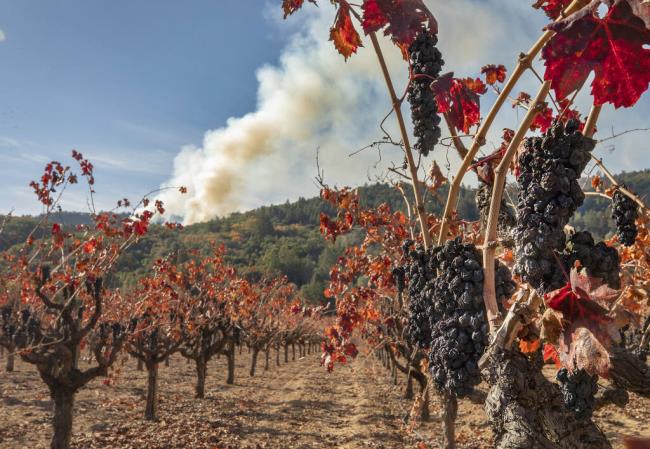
point(295, 405)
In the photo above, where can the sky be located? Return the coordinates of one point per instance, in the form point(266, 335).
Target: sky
point(228, 99)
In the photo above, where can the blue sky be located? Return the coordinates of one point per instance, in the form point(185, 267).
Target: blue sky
point(126, 83)
point(225, 97)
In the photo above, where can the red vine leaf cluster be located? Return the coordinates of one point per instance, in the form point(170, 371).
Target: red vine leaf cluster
point(588, 328)
point(400, 19)
point(494, 73)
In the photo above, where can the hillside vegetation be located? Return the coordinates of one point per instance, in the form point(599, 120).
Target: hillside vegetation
point(285, 238)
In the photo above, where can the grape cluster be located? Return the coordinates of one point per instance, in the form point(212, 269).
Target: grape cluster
point(23, 329)
point(116, 330)
point(426, 60)
point(632, 339)
point(549, 194)
point(504, 286)
point(624, 213)
point(578, 390)
point(459, 329)
point(507, 217)
point(600, 261)
point(446, 312)
point(421, 271)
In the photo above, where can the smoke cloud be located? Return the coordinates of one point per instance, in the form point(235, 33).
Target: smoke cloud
point(303, 104)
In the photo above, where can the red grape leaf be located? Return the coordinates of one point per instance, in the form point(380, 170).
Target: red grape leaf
point(543, 120)
point(612, 47)
point(552, 8)
point(584, 348)
point(405, 18)
point(343, 34)
point(374, 18)
point(459, 99)
point(291, 6)
point(575, 304)
point(494, 73)
point(529, 346)
point(550, 353)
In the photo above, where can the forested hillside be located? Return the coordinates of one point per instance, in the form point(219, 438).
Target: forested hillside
point(285, 238)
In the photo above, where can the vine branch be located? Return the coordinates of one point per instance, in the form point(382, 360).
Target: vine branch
point(397, 107)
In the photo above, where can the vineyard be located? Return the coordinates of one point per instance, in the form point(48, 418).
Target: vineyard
point(511, 330)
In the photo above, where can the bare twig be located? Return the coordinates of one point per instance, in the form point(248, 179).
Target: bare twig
point(614, 136)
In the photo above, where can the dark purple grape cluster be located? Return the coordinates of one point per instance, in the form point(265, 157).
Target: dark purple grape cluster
point(578, 390)
point(459, 329)
point(549, 194)
point(20, 328)
point(600, 260)
point(625, 212)
point(632, 339)
point(504, 286)
point(426, 60)
point(421, 271)
point(507, 216)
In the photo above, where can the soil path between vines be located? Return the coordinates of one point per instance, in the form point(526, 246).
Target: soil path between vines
point(296, 405)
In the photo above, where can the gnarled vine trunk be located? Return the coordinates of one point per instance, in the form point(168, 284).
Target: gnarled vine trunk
point(450, 411)
point(231, 363)
point(629, 372)
point(425, 414)
point(9, 365)
point(62, 419)
point(201, 373)
point(408, 392)
point(151, 408)
point(526, 410)
point(254, 362)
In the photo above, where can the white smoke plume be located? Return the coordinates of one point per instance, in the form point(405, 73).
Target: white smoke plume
point(311, 99)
